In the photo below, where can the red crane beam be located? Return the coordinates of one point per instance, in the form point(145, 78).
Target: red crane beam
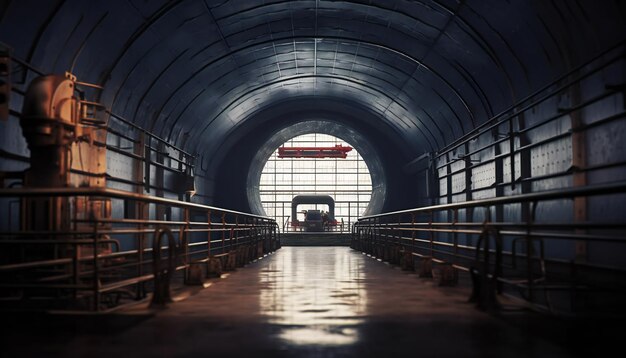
point(337, 151)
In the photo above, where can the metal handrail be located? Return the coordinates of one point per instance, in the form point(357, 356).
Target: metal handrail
point(496, 120)
point(598, 189)
point(68, 264)
point(115, 193)
point(390, 235)
point(150, 134)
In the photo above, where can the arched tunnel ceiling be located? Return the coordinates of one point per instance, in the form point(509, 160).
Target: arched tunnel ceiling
point(432, 69)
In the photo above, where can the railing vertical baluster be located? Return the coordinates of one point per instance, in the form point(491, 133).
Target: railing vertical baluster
point(223, 232)
point(96, 269)
point(399, 231)
point(237, 230)
point(413, 233)
point(209, 234)
point(140, 248)
point(455, 235)
point(529, 250)
point(76, 269)
point(375, 235)
point(431, 233)
point(185, 235)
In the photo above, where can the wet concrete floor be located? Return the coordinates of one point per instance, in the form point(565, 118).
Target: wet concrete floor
point(302, 302)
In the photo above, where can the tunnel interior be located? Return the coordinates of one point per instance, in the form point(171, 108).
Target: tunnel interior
point(214, 77)
point(133, 135)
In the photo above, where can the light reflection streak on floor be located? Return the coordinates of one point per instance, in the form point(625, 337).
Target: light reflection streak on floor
point(315, 295)
point(305, 302)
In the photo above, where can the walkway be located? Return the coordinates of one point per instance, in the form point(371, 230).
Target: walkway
point(301, 301)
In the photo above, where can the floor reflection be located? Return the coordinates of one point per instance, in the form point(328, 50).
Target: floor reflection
point(314, 294)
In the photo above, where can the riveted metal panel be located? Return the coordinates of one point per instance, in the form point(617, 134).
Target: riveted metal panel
point(506, 164)
point(484, 193)
point(458, 183)
point(551, 158)
point(608, 144)
point(483, 176)
point(120, 166)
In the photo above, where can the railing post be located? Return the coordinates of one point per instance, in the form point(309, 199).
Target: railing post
point(455, 235)
point(209, 232)
point(376, 244)
point(579, 164)
point(75, 269)
point(237, 230)
point(529, 251)
point(484, 287)
point(187, 219)
point(399, 231)
point(400, 244)
point(512, 151)
point(96, 269)
point(163, 275)
point(431, 234)
point(407, 261)
point(223, 232)
point(412, 232)
point(147, 160)
point(183, 238)
point(140, 292)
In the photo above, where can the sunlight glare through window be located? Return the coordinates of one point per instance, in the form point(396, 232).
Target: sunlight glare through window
point(347, 181)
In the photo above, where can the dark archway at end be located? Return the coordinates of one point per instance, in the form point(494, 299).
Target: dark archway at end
point(246, 149)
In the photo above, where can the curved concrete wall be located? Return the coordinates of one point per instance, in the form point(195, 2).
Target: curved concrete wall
point(195, 71)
